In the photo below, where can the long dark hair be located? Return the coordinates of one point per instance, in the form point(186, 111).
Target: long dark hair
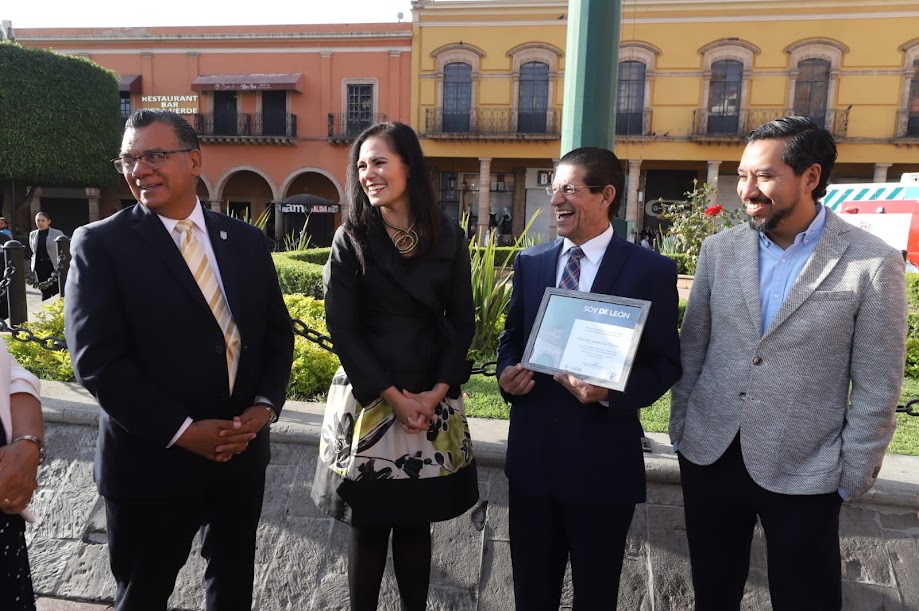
point(422, 201)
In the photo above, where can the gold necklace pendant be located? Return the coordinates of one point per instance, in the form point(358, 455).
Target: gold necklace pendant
point(404, 239)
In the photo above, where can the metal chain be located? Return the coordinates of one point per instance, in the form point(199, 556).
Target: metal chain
point(5, 282)
point(312, 335)
point(910, 408)
point(32, 277)
point(21, 334)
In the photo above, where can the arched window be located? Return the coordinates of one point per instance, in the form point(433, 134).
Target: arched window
point(630, 98)
point(724, 97)
point(534, 98)
point(912, 116)
point(811, 89)
point(457, 97)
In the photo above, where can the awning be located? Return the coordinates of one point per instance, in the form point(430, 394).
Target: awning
point(248, 82)
point(869, 192)
point(129, 82)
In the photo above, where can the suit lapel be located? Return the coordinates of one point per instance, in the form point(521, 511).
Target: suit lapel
point(746, 254)
point(614, 261)
point(549, 267)
point(829, 250)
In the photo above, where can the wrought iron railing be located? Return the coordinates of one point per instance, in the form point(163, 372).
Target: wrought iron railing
point(739, 123)
point(493, 121)
point(343, 127)
point(247, 124)
point(633, 123)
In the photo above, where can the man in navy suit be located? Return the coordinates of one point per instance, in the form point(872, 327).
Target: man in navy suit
point(183, 438)
point(574, 456)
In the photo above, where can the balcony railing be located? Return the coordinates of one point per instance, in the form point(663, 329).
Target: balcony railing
point(736, 125)
point(483, 122)
point(907, 124)
point(242, 127)
point(633, 123)
point(344, 128)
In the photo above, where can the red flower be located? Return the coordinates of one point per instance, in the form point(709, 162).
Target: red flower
point(714, 210)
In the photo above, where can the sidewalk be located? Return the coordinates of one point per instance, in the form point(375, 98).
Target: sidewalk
point(57, 604)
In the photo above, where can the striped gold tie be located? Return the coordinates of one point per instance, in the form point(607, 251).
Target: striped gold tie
point(195, 257)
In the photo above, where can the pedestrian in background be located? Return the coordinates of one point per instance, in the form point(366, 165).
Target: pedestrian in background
point(44, 252)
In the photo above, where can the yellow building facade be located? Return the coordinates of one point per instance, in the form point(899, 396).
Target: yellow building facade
point(694, 78)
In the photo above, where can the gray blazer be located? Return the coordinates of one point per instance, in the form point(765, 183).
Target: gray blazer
point(842, 326)
point(51, 245)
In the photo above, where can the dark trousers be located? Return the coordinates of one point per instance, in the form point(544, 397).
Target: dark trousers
point(149, 542)
point(545, 532)
point(723, 503)
point(43, 270)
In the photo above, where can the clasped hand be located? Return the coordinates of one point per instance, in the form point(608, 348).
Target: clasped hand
point(221, 440)
point(18, 476)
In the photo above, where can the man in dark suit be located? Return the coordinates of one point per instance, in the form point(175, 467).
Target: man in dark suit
point(574, 457)
point(189, 359)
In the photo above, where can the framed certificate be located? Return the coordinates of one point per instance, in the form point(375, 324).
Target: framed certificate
point(593, 336)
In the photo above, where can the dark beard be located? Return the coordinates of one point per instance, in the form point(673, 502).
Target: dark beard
point(771, 222)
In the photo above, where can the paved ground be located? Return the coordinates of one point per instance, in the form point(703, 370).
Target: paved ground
point(56, 604)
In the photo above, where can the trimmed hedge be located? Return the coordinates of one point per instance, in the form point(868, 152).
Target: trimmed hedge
point(317, 256)
point(296, 276)
point(313, 366)
point(683, 263)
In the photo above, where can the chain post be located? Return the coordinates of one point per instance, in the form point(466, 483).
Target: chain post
point(14, 256)
point(63, 261)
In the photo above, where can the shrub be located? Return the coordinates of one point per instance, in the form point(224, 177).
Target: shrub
point(912, 358)
point(297, 276)
point(681, 311)
point(912, 289)
point(682, 262)
point(313, 366)
point(319, 256)
point(694, 220)
point(46, 364)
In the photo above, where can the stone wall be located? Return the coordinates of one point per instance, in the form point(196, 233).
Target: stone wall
point(302, 555)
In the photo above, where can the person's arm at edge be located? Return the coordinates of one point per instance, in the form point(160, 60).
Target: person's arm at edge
point(876, 370)
point(695, 333)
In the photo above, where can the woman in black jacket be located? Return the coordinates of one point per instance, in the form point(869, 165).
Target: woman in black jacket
point(395, 453)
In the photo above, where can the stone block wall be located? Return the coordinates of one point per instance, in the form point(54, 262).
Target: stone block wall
point(302, 554)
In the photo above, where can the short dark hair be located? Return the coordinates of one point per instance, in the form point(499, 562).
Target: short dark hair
point(601, 167)
point(44, 214)
point(806, 143)
point(423, 203)
point(184, 132)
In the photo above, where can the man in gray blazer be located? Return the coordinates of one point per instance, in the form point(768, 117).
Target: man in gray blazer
point(793, 346)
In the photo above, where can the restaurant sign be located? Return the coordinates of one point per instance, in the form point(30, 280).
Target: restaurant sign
point(180, 104)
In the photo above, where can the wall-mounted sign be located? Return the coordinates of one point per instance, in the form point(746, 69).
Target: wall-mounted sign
point(311, 208)
point(544, 178)
point(180, 104)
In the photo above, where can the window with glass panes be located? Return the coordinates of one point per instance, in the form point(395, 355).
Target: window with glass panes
point(724, 97)
point(534, 98)
point(360, 108)
point(811, 89)
point(630, 99)
point(457, 97)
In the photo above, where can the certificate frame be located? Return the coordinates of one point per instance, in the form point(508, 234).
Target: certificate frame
point(571, 325)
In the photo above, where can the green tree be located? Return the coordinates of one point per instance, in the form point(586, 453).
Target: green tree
point(59, 121)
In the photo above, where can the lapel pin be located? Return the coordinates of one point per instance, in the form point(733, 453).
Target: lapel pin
point(223, 235)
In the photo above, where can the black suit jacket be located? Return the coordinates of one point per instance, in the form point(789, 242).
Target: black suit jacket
point(589, 453)
point(403, 322)
point(145, 343)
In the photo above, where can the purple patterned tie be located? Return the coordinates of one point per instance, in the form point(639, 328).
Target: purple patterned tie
point(572, 272)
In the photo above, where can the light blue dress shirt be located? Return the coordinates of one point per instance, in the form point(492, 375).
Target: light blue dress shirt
point(778, 269)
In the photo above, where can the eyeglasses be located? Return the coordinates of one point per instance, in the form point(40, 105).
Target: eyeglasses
point(153, 159)
point(570, 189)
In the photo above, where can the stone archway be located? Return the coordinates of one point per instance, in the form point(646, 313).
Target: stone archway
point(320, 220)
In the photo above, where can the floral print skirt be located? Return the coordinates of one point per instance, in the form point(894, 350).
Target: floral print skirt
point(370, 471)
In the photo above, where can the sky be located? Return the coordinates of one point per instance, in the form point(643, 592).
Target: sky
point(107, 13)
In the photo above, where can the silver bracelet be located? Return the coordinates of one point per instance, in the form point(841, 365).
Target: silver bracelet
point(42, 454)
